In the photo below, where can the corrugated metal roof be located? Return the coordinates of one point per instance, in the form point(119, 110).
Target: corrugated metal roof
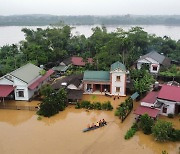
point(147, 110)
point(5, 90)
point(97, 76)
point(27, 73)
point(60, 68)
point(154, 55)
point(78, 61)
point(118, 65)
point(171, 93)
point(41, 79)
point(134, 96)
point(151, 97)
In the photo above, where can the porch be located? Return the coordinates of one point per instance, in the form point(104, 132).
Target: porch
point(97, 88)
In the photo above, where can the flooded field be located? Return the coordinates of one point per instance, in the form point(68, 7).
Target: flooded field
point(22, 133)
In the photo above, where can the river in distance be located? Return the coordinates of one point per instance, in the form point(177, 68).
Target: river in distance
point(13, 34)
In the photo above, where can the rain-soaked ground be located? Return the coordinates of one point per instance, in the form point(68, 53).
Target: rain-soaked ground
point(22, 133)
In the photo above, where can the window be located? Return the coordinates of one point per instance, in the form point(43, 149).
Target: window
point(164, 109)
point(20, 93)
point(117, 89)
point(154, 68)
point(118, 78)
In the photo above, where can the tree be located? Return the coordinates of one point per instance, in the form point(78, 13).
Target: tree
point(141, 80)
point(53, 101)
point(146, 124)
point(162, 130)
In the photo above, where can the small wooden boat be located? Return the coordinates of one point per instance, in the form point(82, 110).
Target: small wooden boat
point(93, 128)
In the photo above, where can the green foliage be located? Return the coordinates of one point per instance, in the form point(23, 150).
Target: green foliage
point(173, 71)
point(175, 135)
point(146, 124)
point(164, 152)
point(42, 46)
point(141, 80)
point(96, 105)
point(170, 115)
point(131, 132)
point(124, 109)
point(42, 72)
point(53, 101)
point(162, 130)
point(39, 118)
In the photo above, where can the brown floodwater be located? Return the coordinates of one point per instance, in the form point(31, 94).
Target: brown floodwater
point(22, 133)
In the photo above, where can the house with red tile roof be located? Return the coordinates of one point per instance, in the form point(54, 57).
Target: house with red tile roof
point(76, 61)
point(24, 82)
point(165, 101)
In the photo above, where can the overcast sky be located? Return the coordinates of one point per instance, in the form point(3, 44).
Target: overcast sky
point(90, 7)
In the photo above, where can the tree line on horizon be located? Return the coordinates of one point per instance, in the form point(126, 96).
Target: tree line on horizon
point(42, 20)
point(54, 44)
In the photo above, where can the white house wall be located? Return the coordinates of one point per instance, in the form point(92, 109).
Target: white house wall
point(151, 68)
point(147, 104)
point(120, 83)
point(23, 88)
point(170, 107)
point(20, 85)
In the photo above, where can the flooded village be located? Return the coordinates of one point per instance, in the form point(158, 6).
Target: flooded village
point(23, 131)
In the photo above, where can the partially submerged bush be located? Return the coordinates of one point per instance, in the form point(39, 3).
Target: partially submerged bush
point(96, 105)
point(170, 115)
point(130, 133)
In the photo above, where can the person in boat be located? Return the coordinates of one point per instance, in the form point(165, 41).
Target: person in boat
point(92, 125)
point(100, 123)
point(97, 124)
point(104, 122)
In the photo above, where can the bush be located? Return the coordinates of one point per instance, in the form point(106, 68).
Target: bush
point(39, 118)
point(146, 123)
point(97, 105)
point(78, 105)
point(131, 132)
point(117, 113)
point(109, 106)
point(170, 115)
point(85, 104)
point(135, 126)
point(162, 130)
point(175, 135)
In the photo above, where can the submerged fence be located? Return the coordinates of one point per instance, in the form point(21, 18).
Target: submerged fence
point(30, 108)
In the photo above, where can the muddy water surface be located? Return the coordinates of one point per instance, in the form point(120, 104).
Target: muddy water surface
point(22, 133)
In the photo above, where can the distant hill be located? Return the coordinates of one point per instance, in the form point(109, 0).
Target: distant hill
point(41, 20)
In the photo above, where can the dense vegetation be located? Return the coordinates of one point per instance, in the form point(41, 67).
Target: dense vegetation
point(164, 131)
point(95, 105)
point(124, 109)
point(39, 20)
point(51, 45)
point(161, 130)
point(53, 101)
point(142, 80)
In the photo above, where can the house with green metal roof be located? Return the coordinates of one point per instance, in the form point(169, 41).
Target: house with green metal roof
point(24, 82)
point(112, 82)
